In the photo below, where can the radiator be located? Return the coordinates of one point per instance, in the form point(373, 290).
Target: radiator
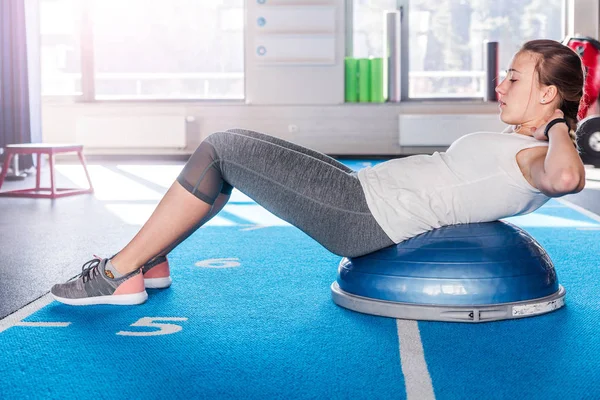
point(443, 129)
point(145, 131)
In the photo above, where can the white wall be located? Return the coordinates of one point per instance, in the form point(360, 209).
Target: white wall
point(334, 129)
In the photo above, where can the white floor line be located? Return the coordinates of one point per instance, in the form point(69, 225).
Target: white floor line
point(15, 318)
point(582, 210)
point(44, 324)
point(412, 357)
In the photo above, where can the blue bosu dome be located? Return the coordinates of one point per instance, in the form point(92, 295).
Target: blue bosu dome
point(461, 271)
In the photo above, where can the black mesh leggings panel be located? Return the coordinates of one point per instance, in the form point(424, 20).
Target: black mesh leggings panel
point(308, 189)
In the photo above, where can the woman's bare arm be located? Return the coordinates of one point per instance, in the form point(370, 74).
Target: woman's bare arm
point(561, 171)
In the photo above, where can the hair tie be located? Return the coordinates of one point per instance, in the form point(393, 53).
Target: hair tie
point(554, 122)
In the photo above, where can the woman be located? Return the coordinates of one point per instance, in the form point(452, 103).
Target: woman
point(482, 177)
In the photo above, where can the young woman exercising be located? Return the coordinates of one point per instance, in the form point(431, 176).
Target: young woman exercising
point(482, 177)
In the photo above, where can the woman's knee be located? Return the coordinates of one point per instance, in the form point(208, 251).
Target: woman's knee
point(213, 145)
point(218, 137)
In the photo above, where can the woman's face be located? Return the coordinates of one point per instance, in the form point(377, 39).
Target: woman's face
point(519, 94)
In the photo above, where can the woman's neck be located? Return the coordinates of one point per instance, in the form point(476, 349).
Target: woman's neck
point(524, 129)
point(528, 127)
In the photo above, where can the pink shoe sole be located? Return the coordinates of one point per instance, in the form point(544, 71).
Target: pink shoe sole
point(159, 277)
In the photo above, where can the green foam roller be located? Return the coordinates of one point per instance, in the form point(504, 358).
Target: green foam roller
point(376, 78)
point(364, 80)
point(351, 77)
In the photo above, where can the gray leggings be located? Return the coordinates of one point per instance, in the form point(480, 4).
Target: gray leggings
point(310, 190)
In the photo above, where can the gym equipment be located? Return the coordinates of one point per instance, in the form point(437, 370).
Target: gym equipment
point(351, 79)
point(50, 150)
point(460, 273)
point(364, 81)
point(588, 130)
point(376, 80)
point(588, 138)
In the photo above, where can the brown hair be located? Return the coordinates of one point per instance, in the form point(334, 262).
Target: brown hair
point(560, 66)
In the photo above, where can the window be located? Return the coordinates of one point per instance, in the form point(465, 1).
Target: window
point(369, 25)
point(60, 47)
point(445, 38)
point(180, 49)
point(144, 49)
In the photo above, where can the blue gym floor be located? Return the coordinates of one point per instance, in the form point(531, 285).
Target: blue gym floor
point(249, 315)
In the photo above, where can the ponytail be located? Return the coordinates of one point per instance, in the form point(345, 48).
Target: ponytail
point(570, 108)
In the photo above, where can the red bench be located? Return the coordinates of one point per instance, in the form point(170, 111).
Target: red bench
point(38, 149)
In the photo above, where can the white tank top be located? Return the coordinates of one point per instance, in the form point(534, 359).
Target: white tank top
point(476, 180)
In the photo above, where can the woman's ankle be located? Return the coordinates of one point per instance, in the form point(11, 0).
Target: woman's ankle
point(123, 265)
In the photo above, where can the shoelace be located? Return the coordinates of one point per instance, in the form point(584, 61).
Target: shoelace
point(89, 270)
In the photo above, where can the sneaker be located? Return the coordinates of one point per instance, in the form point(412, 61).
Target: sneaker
point(156, 273)
point(95, 285)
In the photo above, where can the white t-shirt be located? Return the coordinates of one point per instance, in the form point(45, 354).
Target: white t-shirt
point(476, 180)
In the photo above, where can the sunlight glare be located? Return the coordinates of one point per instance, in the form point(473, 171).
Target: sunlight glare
point(162, 175)
point(256, 214)
point(108, 185)
point(138, 214)
point(548, 221)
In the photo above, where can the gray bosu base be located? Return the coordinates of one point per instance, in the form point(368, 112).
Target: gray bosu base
point(478, 313)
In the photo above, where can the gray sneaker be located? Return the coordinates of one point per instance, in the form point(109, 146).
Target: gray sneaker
point(95, 285)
